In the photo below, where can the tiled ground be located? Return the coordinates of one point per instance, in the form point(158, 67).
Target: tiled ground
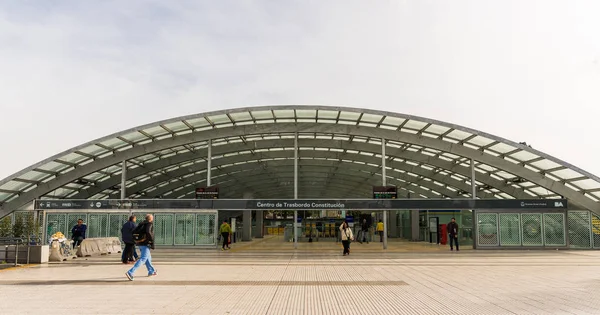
point(266, 277)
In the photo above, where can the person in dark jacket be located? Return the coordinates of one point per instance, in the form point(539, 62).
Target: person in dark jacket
point(147, 229)
point(364, 231)
point(78, 233)
point(453, 233)
point(127, 237)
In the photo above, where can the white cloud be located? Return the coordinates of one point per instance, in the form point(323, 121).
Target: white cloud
point(74, 71)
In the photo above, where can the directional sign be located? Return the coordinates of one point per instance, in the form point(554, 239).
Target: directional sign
point(306, 204)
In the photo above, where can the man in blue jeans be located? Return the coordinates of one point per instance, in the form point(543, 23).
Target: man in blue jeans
point(146, 228)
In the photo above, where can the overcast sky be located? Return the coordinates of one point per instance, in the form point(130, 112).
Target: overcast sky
point(72, 71)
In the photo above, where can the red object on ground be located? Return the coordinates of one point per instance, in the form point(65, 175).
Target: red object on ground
point(444, 234)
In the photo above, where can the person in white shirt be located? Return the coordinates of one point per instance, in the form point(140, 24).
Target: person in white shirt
point(347, 236)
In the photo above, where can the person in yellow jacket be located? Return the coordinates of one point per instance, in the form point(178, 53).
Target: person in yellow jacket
point(225, 230)
point(380, 230)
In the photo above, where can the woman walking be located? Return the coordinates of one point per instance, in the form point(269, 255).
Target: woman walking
point(347, 236)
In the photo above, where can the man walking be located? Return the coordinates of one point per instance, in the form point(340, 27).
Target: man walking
point(127, 237)
point(78, 232)
point(365, 231)
point(144, 237)
point(225, 230)
point(453, 233)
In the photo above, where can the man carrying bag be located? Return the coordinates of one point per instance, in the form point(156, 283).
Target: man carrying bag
point(143, 235)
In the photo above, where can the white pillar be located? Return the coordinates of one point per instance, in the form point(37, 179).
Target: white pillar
point(123, 180)
point(209, 163)
point(384, 183)
point(474, 196)
point(295, 225)
point(247, 220)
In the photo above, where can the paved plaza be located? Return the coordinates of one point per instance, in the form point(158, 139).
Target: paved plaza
point(269, 277)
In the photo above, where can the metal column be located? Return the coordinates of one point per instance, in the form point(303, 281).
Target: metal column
point(384, 183)
point(474, 196)
point(209, 163)
point(295, 225)
point(123, 180)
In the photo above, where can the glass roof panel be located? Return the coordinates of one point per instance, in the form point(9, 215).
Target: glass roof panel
point(566, 174)
point(524, 156)
point(349, 115)
point(262, 114)
point(437, 129)
point(198, 122)
point(306, 113)
point(33, 175)
point(328, 114)
point(481, 141)
point(458, 134)
point(219, 119)
point(545, 164)
point(13, 185)
point(93, 150)
point(241, 116)
point(393, 121)
point(3, 195)
point(114, 142)
point(502, 148)
point(176, 126)
point(53, 166)
point(414, 124)
point(371, 118)
point(155, 131)
point(284, 113)
point(539, 190)
point(504, 174)
point(587, 184)
point(73, 158)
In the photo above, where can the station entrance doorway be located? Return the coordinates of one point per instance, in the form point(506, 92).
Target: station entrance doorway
point(484, 223)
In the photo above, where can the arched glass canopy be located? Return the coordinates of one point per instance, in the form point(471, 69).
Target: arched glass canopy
point(339, 157)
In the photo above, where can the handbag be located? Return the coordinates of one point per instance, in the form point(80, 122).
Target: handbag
point(139, 233)
point(349, 239)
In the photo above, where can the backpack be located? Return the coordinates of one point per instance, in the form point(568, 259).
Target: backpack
point(139, 233)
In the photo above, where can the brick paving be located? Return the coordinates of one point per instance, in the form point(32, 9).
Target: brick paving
point(268, 277)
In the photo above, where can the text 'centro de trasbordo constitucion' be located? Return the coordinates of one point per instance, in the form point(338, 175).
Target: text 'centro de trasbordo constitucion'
point(299, 205)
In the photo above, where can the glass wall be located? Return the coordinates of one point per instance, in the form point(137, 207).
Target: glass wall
point(195, 228)
point(517, 229)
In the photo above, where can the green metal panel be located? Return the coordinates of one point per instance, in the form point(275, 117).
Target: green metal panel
point(184, 228)
point(487, 229)
point(531, 229)
point(205, 227)
point(580, 229)
point(115, 223)
point(554, 229)
point(97, 225)
point(510, 229)
point(56, 222)
point(163, 229)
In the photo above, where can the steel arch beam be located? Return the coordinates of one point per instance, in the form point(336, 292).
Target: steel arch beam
point(222, 171)
point(420, 140)
point(339, 188)
point(315, 175)
point(312, 108)
point(320, 168)
point(333, 144)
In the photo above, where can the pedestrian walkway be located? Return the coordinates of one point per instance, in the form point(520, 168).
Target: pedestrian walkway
point(247, 280)
point(277, 243)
